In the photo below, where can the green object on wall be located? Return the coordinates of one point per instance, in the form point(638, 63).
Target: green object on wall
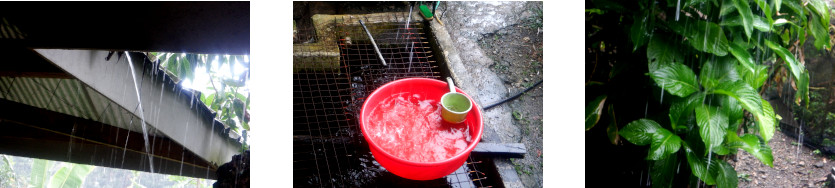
point(427, 14)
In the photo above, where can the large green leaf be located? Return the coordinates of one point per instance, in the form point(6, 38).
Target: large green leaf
point(703, 36)
point(766, 11)
point(742, 92)
point(712, 125)
point(639, 32)
point(783, 21)
point(743, 57)
point(752, 144)
point(759, 23)
point(715, 72)
point(795, 6)
point(733, 110)
point(187, 67)
point(676, 78)
point(776, 4)
point(803, 88)
point(698, 166)
point(611, 130)
point(751, 101)
point(593, 111)
point(209, 99)
point(746, 16)
point(663, 144)
point(820, 32)
point(727, 7)
point(37, 176)
point(663, 171)
point(721, 150)
point(680, 111)
point(239, 109)
point(71, 176)
point(794, 67)
point(766, 121)
point(756, 78)
point(822, 9)
point(725, 174)
point(661, 52)
point(639, 132)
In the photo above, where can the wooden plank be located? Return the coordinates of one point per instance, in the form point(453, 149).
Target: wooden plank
point(510, 150)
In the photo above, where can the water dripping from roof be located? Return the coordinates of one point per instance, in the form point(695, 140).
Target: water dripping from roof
point(141, 112)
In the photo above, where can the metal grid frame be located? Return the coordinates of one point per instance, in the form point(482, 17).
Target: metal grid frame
point(328, 148)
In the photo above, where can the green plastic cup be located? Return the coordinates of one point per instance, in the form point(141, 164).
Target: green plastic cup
point(455, 105)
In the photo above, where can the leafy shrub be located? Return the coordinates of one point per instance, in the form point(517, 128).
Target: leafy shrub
point(711, 59)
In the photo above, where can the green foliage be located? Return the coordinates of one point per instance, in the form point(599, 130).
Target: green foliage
point(37, 176)
point(676, 78)
point(612, 129)
point(70, 175)
point(710, 62)
point(593, 111)
point(725, 175)
point(227, 100)
point(8, 178)
point(712, 124)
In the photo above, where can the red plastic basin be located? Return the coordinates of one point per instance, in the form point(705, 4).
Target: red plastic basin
point(431, 89)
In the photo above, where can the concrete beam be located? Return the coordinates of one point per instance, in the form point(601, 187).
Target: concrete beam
point(194, 27)
point(40, 133)
point(177, 114)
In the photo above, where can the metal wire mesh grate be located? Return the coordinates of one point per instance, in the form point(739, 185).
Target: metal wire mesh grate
point(335, 67)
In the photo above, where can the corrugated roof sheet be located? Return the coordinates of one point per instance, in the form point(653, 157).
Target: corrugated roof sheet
point(9, 31)
point(67, 96)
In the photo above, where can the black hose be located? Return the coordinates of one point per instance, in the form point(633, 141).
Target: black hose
point(513, 97)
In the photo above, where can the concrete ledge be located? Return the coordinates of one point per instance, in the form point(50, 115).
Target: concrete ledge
point(497, 125)
point(166, 108)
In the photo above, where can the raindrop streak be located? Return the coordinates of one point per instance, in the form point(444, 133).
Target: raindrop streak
point(641, 180)
point(182, 156)
point(408, 19)
point(69, 150)
point(211, 137)
point(141, 112)
point(678, 9)
point(411, 53)
point(799, 138)
point(679, 167)
point(125, 149)
point(662, 95)
point(709, 153)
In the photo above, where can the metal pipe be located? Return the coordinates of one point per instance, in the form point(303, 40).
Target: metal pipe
point(373, 43)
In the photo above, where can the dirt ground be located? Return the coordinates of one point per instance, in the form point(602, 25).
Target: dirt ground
point(792, 168)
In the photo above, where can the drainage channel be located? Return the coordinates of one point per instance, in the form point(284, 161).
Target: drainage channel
point(332, 76)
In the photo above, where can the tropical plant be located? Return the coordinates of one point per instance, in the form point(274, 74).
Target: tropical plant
point(181, 181)
point(8, 177)
point(710, 59)
point(226, 97)
point(69, 175)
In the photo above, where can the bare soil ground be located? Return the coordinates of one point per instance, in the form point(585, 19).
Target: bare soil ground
point(792, 167)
